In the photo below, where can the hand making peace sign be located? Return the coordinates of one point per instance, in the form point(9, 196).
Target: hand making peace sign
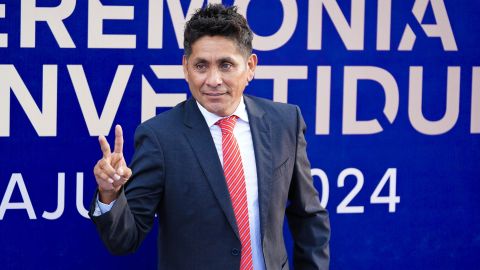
point(111, 172)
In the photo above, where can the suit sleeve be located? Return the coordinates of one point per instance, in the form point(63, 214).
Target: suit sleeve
point(124, 227)
point(308, 220)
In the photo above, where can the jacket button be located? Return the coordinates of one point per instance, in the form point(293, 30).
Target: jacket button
point(235, 251)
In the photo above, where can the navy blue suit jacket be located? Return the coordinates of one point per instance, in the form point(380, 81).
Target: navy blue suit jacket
point(177, 174)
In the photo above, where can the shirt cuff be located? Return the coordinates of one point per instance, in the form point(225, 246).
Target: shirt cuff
point(102, 208)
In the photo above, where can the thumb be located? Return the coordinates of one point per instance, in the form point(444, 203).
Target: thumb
point(124, 172)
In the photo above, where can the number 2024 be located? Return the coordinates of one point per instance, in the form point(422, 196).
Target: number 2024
point(344, 207)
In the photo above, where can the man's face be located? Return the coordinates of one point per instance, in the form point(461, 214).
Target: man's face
point(217, 73)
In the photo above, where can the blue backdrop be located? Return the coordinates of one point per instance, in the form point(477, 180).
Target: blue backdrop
point(390, 92)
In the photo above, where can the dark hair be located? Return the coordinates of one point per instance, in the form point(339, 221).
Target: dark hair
point(218, 20)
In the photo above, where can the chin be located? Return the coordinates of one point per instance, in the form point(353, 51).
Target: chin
point(218, 110)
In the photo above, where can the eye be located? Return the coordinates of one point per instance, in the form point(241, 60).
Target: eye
point(200, 67)
point(226, 66)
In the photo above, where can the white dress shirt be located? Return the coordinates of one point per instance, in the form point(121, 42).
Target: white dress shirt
point(243, 135)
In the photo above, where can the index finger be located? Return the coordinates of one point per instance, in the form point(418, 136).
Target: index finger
point(118, 140)
point(104, 146)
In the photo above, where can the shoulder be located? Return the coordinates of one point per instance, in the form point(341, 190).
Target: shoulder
point(268, 104)
point(168, 122)
point(276, 111)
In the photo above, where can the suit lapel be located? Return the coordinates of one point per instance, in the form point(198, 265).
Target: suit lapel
point(200, 139)
point(261, 136)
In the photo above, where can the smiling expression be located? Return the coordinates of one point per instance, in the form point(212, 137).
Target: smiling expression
point(217, 73)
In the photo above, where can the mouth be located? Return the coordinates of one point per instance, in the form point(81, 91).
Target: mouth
point(214, 94)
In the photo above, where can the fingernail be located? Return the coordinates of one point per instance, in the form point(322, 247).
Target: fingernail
point(120, 171)
point(110, 180)
point(117, 177)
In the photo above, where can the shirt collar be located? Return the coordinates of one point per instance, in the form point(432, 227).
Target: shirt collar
point(212, 118)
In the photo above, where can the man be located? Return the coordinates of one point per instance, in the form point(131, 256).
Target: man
point(218, 169)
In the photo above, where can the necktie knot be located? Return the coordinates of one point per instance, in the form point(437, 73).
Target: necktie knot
point(227, 124)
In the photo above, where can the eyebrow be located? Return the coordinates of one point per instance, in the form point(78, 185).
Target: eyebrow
point(221, 60)
point(226, 59)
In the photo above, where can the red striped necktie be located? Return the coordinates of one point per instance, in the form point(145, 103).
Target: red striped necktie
point(233, 168)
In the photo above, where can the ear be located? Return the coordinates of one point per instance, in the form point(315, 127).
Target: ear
point(251, 66)
point(185, 70)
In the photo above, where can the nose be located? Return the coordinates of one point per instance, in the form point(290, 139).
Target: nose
point(214, 78)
